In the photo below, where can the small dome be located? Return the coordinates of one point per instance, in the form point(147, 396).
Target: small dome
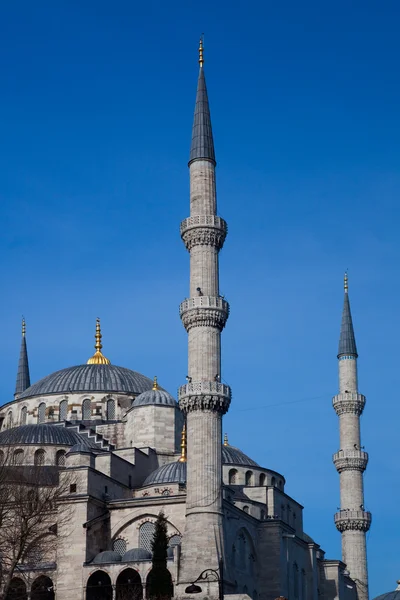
point(154, 396)
point(89, 378)
point(136, 554)
point(394, 595)
point(109, 556)
point(234, 456)
point(80, 449)
point(170, 473)
point(53, 435)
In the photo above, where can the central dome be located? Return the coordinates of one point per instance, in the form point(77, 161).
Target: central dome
point(90, 378)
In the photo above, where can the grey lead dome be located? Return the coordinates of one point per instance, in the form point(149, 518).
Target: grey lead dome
point(42, 435)
point(90, 378)
point(154, 397)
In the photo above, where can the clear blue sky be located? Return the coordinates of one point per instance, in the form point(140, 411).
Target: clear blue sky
point(96, 111)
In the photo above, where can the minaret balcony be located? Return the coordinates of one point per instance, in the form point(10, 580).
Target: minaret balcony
point(204, 230)
point(350, 460)
point(204, 311)
point(353, 520)
point(204, 395)
point(349, 402)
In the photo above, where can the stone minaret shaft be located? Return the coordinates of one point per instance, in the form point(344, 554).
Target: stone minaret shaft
point(353, 521)
point(204, 399)
point(23, 379)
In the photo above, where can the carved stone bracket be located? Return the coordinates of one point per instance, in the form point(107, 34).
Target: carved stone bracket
point(204, 230)
point(350, 460)
point(204, 311)
point(353, 520)
point(204, 395)
point(349, 402)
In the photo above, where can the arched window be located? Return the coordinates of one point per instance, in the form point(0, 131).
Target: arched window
point(60, 458)
point(262, 479)
point(99, 586)
point(63, 410)
point(233, 555)
point(295, 580)
point(232, 476)
point(18, 457)
point(17, 590)
point(86, 410)
point(38, 459)
point(129, 585)
point(246, 509)
point(42, 589)
point(24, 412)
point(41, 412)
point(110, 410)
point(273, 481)
point(245, 590)
point(303, 585)
point(174, 540)
point(119, 546)
point(146, 534)
point(9, 420)
point(262, 515)
point(249, 477)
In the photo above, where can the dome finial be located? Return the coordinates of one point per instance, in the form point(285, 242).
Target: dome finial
point(346, 282)
point(183, 444)
point(23, 326)
point(155, 384)
point(201, 59)
point(226, 440)
point(398, 586)
point(98, 358)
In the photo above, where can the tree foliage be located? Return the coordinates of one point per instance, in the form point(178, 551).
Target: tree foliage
point(159, 581)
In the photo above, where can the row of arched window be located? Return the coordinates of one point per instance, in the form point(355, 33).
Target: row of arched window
point(128, 585)
point(42, 589)
point(299, 583)
point(39, 458)
point(251, 478)
point(62, 412)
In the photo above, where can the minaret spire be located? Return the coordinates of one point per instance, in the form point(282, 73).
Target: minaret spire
point(204, 399)
point(353, 521)
point(23, 377)
point(98, 357)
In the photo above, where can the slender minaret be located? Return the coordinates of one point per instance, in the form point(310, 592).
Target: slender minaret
point(353, 521)
point(204, 399)
point(23, 378)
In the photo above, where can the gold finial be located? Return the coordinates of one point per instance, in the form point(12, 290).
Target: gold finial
point(183, 444)
point(98, 358)
point(23, 327)
point(346, 282)
point(155, 384)
point(226, 440)
point(201, 59)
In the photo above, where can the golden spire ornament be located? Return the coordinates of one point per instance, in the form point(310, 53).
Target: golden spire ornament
point(98, 357)
point(155, 384)
point(201, 59)
point(183, 444)
point(226, 440)
point(346, 282)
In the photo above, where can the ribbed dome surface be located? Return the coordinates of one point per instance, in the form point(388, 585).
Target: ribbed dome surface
point(170, 473)
point(90, 378)
point(108, 556)
point(79, 448)
point(234, 456)
point(394, 595)
point(136, 554)
point(154, 397)
point(42, 435)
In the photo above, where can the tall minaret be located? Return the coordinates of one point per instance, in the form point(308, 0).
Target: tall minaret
point(353, 521)
point(204, 399)
point(23, 378)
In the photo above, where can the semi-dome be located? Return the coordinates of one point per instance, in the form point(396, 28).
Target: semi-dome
point(136, 554)
point(174, 472)
point(155, 395)
point(42, 435)
point(394, 595)
point(90, 378)
point(108, 556)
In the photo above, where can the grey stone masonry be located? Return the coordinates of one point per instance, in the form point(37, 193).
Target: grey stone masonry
point(204, 399)
point(352, 520)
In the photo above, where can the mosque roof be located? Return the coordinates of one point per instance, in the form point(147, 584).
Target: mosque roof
point(90, 378)
point(154, 396)
point(43, 435)
point(234, 456)
point(136, 554)
point(108, 556)
point(394, 595)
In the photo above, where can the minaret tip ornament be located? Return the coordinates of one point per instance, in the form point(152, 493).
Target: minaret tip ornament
point(346, 282)
point(155, 384)
point(226, 440)
point(98, 358)
point(23, 327)
point(183, 444)
point(201, 58)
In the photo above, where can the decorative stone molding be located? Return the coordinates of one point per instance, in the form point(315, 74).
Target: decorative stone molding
point(204, 311)
point(350, 460)
point(204, 230)
point(353, 520)
point(204, 395)
point(349, 402)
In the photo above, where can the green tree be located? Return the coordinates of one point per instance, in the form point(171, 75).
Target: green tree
point(159, 581)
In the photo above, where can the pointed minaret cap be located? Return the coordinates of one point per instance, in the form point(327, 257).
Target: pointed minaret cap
point(183, 444)
point(23, 377)
point(347, 341)
point(98, 357)
point(202, 147)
